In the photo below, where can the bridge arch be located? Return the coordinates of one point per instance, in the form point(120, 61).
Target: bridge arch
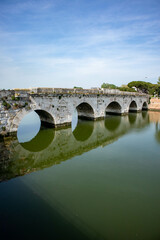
point(46, 118)
point(145, 106)
point(85, 111)
point(133, 106)
point(113, 108)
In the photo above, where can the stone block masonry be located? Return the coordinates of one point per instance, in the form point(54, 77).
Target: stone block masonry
point(154, 104)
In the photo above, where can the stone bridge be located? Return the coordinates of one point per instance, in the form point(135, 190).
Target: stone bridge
point(56, 106)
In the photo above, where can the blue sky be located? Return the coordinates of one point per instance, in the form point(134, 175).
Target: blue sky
point(66, 43)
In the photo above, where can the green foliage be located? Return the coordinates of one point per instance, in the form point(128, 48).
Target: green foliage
point(16, 105)
point(6, 105)
point(145, 87)
point(3, 128)
point(78, 87)
point(127, 89)
point(15, 98)
point(158, 81)
point(109, 86)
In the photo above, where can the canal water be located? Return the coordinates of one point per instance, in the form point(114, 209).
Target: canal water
point(96, 180)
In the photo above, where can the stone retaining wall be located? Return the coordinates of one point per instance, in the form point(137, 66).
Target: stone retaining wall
point(154, 104)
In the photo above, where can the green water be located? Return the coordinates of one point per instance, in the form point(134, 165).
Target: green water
point(101, 181)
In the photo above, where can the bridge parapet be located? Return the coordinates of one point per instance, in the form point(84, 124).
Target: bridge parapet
point(74, 90)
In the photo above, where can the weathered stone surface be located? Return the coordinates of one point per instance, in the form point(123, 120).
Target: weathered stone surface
point(154, 104)
point(55, 106)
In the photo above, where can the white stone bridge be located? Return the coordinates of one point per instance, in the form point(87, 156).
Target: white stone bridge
point(55, 107)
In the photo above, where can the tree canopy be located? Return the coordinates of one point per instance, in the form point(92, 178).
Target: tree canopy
point(145, 87)
point(140, 86)
point(108, 85)
point(122, 88)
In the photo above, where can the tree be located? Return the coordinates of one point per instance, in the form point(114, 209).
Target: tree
point(158, 81)
point(108, 85)
point(78, 87)
point(126, 89)
point(146, 87)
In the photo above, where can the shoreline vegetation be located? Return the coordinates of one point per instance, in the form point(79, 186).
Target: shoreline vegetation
point(137, 86)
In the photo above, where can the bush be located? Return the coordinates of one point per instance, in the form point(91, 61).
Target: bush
point(6, 105)
point(3, 128)
point(13, 98)
point(127, 89)
point(109, 86)
point(16, 105)
point(78, 87)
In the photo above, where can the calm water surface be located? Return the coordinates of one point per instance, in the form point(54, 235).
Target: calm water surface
point(98, 180)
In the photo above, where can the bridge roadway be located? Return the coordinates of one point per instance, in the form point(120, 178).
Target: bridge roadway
point(54, 146)
point(55, 107)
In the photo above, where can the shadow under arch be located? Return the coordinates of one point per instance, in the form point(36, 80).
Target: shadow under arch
point(40, 142)
point(112, 122)
point(145, 106)
point(113, 108)
point(83, 130)
point(133, 107)
point(85, 111)
point(46, 118)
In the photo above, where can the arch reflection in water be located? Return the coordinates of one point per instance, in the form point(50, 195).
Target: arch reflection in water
point(112, 122)
point(30, 133)
point(144, 114)
point(41, 141)
point(83, 130)
point(74, 119)
point(28, 127)
point(132, 117)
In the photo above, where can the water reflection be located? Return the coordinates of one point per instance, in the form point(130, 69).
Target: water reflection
point(132, 117)
point(91, 196)
point(40, 142)
point(112, 122)
point(144, 114)
point(74, 120)
point(28, 127)
point(51, 146)
point(157, 134)
point(83, 130)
